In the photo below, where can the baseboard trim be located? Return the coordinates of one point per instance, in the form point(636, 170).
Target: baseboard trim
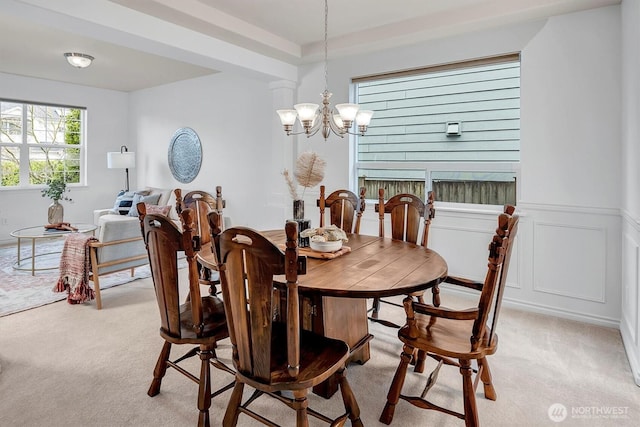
point(564, 314)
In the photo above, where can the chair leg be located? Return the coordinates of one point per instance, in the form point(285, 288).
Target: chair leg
point(420, 360)
point(396, 385)
point(231, 414)
point(300, 404)
point(350, 403)
point(376, 308)
point(204, 389)
point(160, 369)
point(436, 295)
point(469, 395)
point(485, 375)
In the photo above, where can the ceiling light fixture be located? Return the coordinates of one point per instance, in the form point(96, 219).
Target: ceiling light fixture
point(79, 60)
point(312, 119)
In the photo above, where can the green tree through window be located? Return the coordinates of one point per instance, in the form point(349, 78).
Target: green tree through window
point(39, 143)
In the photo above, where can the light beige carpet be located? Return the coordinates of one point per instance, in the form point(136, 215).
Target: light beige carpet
point(65, 365)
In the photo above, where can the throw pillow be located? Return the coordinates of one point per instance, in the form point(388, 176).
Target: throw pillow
point(123, 202)
point(158, 210)
point(151, 199)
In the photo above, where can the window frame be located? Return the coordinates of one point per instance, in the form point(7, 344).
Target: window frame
point(24, 147)
point(429, 167)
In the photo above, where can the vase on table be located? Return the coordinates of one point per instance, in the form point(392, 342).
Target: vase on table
point(303, 224)
point(55, 213)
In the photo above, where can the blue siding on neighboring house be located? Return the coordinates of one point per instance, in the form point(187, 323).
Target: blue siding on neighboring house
point(411, 113)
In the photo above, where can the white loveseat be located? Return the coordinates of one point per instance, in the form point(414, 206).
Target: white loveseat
point(120, 245)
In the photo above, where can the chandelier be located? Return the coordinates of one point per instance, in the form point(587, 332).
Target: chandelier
point(313, 118)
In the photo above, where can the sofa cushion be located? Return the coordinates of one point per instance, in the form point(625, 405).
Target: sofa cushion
point(167, 197)
point(151, 199)
point(119, 227)
point(158, 210)
point(165, 194)
point(123, 202)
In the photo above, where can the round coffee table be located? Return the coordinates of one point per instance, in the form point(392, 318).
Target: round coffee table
point(39, 232)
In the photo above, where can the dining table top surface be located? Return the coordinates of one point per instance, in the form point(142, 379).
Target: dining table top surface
point(374, 267)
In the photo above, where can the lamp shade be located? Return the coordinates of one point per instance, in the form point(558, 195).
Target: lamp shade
point(118, 160)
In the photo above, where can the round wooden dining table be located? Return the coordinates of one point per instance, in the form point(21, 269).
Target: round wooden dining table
point(372, 267)
point(336, 286)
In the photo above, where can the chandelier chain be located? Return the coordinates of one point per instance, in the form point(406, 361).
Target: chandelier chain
point(314, 117)
point(326, 43)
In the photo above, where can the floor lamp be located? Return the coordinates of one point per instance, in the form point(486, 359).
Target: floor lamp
point(122, 160)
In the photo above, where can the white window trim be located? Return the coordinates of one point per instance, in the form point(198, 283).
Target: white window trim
point(25, 147)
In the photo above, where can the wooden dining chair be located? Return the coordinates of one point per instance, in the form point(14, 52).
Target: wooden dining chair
point(466, 335)
point(344, 207)
point(202, 203)
point(410, 222)
point(199, 322)
point(271, 356)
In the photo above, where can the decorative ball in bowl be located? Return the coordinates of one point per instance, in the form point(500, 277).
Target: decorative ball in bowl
point(320, 246)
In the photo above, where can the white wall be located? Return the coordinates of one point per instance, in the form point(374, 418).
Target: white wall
point(107, 123)
point(567, 249)
point(630, 323)
point(233, 118)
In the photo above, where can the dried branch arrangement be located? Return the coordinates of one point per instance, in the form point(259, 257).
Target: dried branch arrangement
point(309, 173)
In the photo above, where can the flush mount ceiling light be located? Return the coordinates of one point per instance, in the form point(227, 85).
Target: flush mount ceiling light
point(79, 60)
point(314, 117)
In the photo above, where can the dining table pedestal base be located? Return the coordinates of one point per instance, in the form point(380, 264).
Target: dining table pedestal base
point(341, 318)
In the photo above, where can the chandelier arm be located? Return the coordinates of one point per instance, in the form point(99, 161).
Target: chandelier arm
point(340, 131)
point(312, 130)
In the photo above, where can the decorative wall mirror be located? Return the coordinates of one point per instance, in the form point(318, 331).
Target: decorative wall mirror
point(185, 155)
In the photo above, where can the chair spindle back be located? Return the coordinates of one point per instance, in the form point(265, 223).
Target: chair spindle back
point(345, 209)
point(248, 262)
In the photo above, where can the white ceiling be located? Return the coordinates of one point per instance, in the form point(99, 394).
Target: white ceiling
point(144, 43)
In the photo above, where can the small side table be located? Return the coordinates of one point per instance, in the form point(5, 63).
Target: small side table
point(39, 232)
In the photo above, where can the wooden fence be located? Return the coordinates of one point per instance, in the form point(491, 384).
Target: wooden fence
point(476, 192)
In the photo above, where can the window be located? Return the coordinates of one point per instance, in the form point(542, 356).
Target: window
point(39, 142)
point(454, 129)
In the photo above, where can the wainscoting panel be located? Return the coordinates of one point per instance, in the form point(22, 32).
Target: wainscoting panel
point(630, 276)
point(566, 260)
point(630, 322)
point(566, 255)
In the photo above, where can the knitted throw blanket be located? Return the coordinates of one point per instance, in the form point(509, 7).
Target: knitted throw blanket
point(75, 264)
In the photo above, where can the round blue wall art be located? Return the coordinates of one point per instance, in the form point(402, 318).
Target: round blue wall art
point(185, 155)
